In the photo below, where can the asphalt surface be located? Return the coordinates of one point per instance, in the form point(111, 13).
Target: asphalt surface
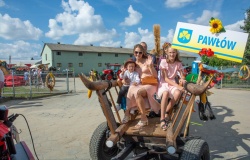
point(62, 125)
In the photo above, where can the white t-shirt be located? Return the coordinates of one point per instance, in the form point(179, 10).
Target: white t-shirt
point(133, 76)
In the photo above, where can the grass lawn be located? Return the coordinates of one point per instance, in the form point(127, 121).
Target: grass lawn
point(26, 92)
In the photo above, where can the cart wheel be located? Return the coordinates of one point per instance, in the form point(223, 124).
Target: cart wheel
point(109, 77)
point(97, 147)
point(195, 149)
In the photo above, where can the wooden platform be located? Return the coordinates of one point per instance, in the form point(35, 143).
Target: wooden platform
point(152, 129)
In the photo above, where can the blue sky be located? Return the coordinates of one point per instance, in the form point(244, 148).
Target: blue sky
point(25, 25)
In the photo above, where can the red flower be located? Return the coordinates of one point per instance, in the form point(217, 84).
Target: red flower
point(203, 52)
point(210, 53)
point(206, 52)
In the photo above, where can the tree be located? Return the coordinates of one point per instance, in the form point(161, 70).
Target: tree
point(246, 28)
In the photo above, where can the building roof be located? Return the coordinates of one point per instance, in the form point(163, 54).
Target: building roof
point(96, 49)
point(81, 48)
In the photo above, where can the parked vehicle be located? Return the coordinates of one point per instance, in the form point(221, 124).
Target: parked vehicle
point(9, 80)
point(112, 72)
point(11, 148)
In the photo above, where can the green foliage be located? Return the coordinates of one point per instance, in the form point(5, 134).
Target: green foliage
point(246, 28)
point(214, 61)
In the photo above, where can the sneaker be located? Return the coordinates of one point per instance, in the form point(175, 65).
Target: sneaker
point(132, 111)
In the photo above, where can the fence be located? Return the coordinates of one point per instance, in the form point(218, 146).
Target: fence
point(232, 78)
point(16, 85)
point(65, 82)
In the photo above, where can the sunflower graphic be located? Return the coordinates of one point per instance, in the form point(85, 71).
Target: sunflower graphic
point(216, 26)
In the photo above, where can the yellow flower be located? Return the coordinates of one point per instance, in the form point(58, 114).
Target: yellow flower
point(216, 25)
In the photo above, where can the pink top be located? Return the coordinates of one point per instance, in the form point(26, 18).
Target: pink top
point(150, 89)
point(172, 71)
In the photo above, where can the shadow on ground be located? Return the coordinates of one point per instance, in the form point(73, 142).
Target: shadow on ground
point(220, 135)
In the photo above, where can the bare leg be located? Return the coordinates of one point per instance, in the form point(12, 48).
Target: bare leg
point(172, 102)
point(126, 114)
point(164, 103)
point(141, 104)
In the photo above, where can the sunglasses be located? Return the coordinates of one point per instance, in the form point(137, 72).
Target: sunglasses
point(138, 52)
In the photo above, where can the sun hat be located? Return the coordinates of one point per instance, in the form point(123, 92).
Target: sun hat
point(130, 60)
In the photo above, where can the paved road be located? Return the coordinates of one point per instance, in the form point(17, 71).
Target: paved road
point(62, 125)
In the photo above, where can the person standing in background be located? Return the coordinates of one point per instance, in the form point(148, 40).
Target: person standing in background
point(26, 77)
point(1, 81)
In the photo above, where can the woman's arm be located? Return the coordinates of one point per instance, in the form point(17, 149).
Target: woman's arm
point(151, 67)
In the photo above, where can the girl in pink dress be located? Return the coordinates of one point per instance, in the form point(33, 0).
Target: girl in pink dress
point(141, 96)
point(168, 88)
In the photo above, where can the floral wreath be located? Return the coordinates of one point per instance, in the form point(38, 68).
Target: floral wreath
point(216, 26)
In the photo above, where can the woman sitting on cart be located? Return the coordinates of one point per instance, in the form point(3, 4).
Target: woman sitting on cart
point(168, 88)
point(141, 96)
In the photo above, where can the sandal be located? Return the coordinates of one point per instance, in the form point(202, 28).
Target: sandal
point(126, 119)
point(163, 126)
point(141, 124)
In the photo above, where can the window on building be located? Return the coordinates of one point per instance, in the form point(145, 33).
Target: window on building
point(58, 53)
point(99, 64)
point(99, 54)
point(59, 65)
point(80, 64)
point(70, 64)
point(116, 55)
point(80, 53)
point(46, 57)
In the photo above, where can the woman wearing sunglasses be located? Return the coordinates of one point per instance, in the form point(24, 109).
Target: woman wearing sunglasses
point(141, 96)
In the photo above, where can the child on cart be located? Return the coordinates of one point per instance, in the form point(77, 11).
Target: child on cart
point(127, 72)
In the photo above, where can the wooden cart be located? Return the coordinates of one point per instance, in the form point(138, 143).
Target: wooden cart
point(113, 140)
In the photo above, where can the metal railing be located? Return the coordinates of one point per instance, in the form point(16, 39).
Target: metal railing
point(16, 85)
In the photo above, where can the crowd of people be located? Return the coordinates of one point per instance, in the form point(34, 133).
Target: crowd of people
point(145, 76)
point(35, 76)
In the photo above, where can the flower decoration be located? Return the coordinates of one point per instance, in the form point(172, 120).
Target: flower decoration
point(216, 26)
point(206, 54)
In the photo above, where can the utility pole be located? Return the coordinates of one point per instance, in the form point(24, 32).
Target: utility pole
point(9, 59)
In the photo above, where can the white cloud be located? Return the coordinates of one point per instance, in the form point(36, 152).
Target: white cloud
point(78, 18)
point(133, 18)
point(131, 38)
point(144, 35)
point(2, 3)
point(92, 37)
point(168, 38)
point(188, 16)
point(235, 26)
point(204, 18)
point(14, 28)
point(20, 50)
point(177, 3)
point(110, 43)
